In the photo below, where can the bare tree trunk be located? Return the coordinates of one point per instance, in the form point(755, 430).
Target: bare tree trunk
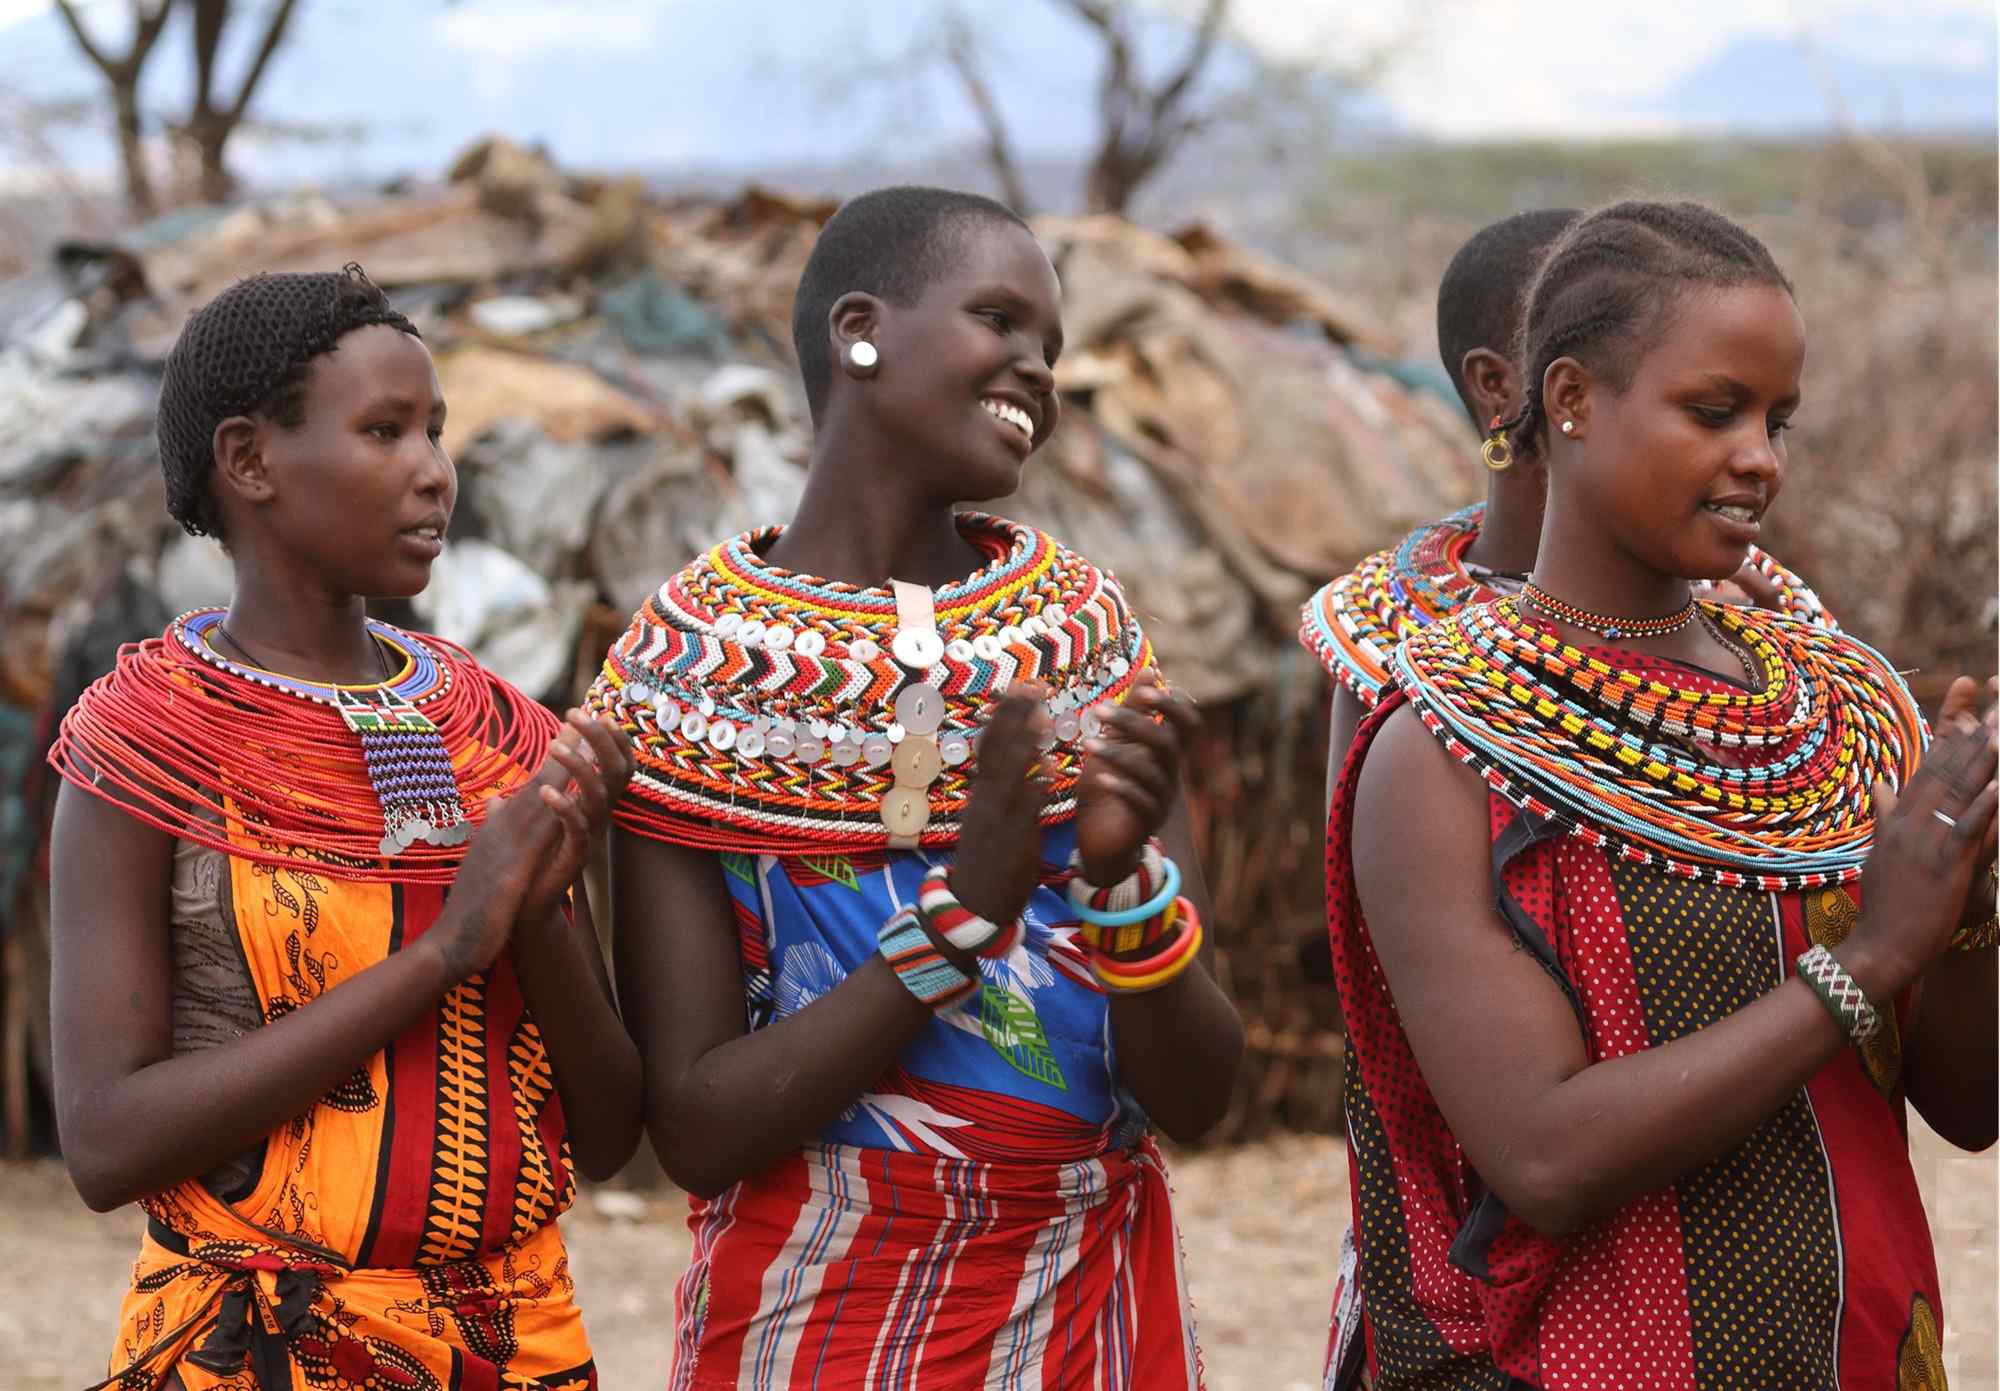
point(208, 125)
point(122, 75)
point(1140, 126)
point(962, 52)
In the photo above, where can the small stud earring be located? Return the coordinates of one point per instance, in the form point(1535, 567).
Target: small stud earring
point(1569, 427)
point(860, 358)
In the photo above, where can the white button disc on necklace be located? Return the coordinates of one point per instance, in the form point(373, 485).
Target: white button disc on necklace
point(917, 762)
point(808, 644)
point(905, 810)
point(920, 708)
point(920, 648)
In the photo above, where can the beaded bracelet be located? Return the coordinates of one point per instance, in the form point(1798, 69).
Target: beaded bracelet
point(1138, 977)
point(958, 924)
point(1135, 888)
point(1981, 935)
point(919, 965)
point(1843, 998)
point(1169, 890)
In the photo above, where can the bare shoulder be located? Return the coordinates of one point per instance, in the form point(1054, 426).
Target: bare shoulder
point(1419, 835)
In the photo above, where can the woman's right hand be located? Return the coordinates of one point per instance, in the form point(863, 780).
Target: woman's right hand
point(505, 876)
point(1000, 839)
point(1920, 868)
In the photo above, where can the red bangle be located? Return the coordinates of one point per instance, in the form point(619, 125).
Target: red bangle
point(1185, 919)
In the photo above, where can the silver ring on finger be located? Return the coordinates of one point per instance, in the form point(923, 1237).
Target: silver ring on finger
point(1949, 823)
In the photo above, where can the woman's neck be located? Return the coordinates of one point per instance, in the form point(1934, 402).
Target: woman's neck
point(860, 521)
point(283, 626)
point(1510, 532)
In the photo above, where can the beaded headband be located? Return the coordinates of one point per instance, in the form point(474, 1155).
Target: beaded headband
point(768, 709)
point(1354, 624)
point(1768, 789)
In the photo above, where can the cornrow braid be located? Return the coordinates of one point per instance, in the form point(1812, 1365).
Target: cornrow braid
point(249, 351)
point(1610, 286)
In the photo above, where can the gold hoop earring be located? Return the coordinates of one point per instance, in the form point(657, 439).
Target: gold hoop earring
point(1496, 453)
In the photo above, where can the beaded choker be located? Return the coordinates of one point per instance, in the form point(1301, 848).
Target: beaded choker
point(1606, 625)
point(1767, 789)
point(769, 710)
point(1354, 624)
point(373, 781)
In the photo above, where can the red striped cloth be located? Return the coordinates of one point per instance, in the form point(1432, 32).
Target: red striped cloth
point(849, 1267)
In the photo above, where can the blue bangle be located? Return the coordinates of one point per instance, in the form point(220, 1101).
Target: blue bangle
point(1157, 905)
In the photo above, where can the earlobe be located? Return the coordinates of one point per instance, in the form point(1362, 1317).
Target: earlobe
point(1566, 393)
point(239, 459)
point(851, 325)
point(1489, 378)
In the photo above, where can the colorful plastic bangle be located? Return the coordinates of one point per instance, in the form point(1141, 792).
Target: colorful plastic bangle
point(1152, 908)
point(959, 925)
point(1147, 965)
point(1189, 944)
point(919, 965)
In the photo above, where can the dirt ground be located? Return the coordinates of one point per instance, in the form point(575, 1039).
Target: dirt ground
point(1259, 1226)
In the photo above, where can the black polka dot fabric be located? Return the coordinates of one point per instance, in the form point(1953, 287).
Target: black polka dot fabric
point(1791, 1261)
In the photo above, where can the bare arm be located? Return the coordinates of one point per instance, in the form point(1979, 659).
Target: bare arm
point(561, 970)
point(1950, 1065)
point(1340, 734)
point(722, 1103)
point(1178, 1046)
point(135, 1119)
point(1564, 1143)
point(596, 1064)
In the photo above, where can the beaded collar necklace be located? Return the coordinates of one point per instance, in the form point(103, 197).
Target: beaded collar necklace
point(1354, 624)
point(770, 710)
point(406, 760)
point(369, 781)
point(1765, 789)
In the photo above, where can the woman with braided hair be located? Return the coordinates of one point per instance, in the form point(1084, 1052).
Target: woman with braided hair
point(1716, 890)
point(909, 927)
point(346, 1102)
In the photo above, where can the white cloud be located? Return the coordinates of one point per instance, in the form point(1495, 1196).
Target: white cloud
point(1581, 68)
point(513, 31)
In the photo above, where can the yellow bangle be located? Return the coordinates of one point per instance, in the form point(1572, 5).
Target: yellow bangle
point(1137, 985)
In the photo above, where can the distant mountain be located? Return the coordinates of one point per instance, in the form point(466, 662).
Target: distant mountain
point(1775, 86)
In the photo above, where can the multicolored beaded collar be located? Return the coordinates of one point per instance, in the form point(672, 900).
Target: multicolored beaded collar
point(1355, 623)
point(1767, 789)
point(377, 781)
point(770, 710)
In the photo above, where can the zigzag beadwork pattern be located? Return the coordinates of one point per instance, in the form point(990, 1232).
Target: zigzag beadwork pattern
point(1769, 789)
point(1354, 624)
point(762, 704)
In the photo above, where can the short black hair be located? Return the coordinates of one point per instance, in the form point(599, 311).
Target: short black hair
point(893, 243)
point(248, 352)
point(1484, 287)
point(1610, 285)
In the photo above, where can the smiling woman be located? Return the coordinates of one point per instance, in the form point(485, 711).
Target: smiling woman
point(909, 970)
point(1640, 904)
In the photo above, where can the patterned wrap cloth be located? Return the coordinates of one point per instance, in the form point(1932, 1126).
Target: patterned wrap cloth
point(1800, 1257)
point(1354, 624)
point(401, 1232)
point(991, 1211)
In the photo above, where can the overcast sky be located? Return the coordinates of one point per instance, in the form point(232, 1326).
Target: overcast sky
point(654, 83)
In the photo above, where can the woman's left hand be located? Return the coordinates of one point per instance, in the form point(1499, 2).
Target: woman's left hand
point(1131, 775)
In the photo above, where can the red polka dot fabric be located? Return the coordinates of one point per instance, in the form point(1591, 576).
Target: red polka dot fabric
point(1794, 1260)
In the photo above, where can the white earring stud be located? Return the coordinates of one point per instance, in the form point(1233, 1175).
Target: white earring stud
point(862, 355)
point(1569, 427)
